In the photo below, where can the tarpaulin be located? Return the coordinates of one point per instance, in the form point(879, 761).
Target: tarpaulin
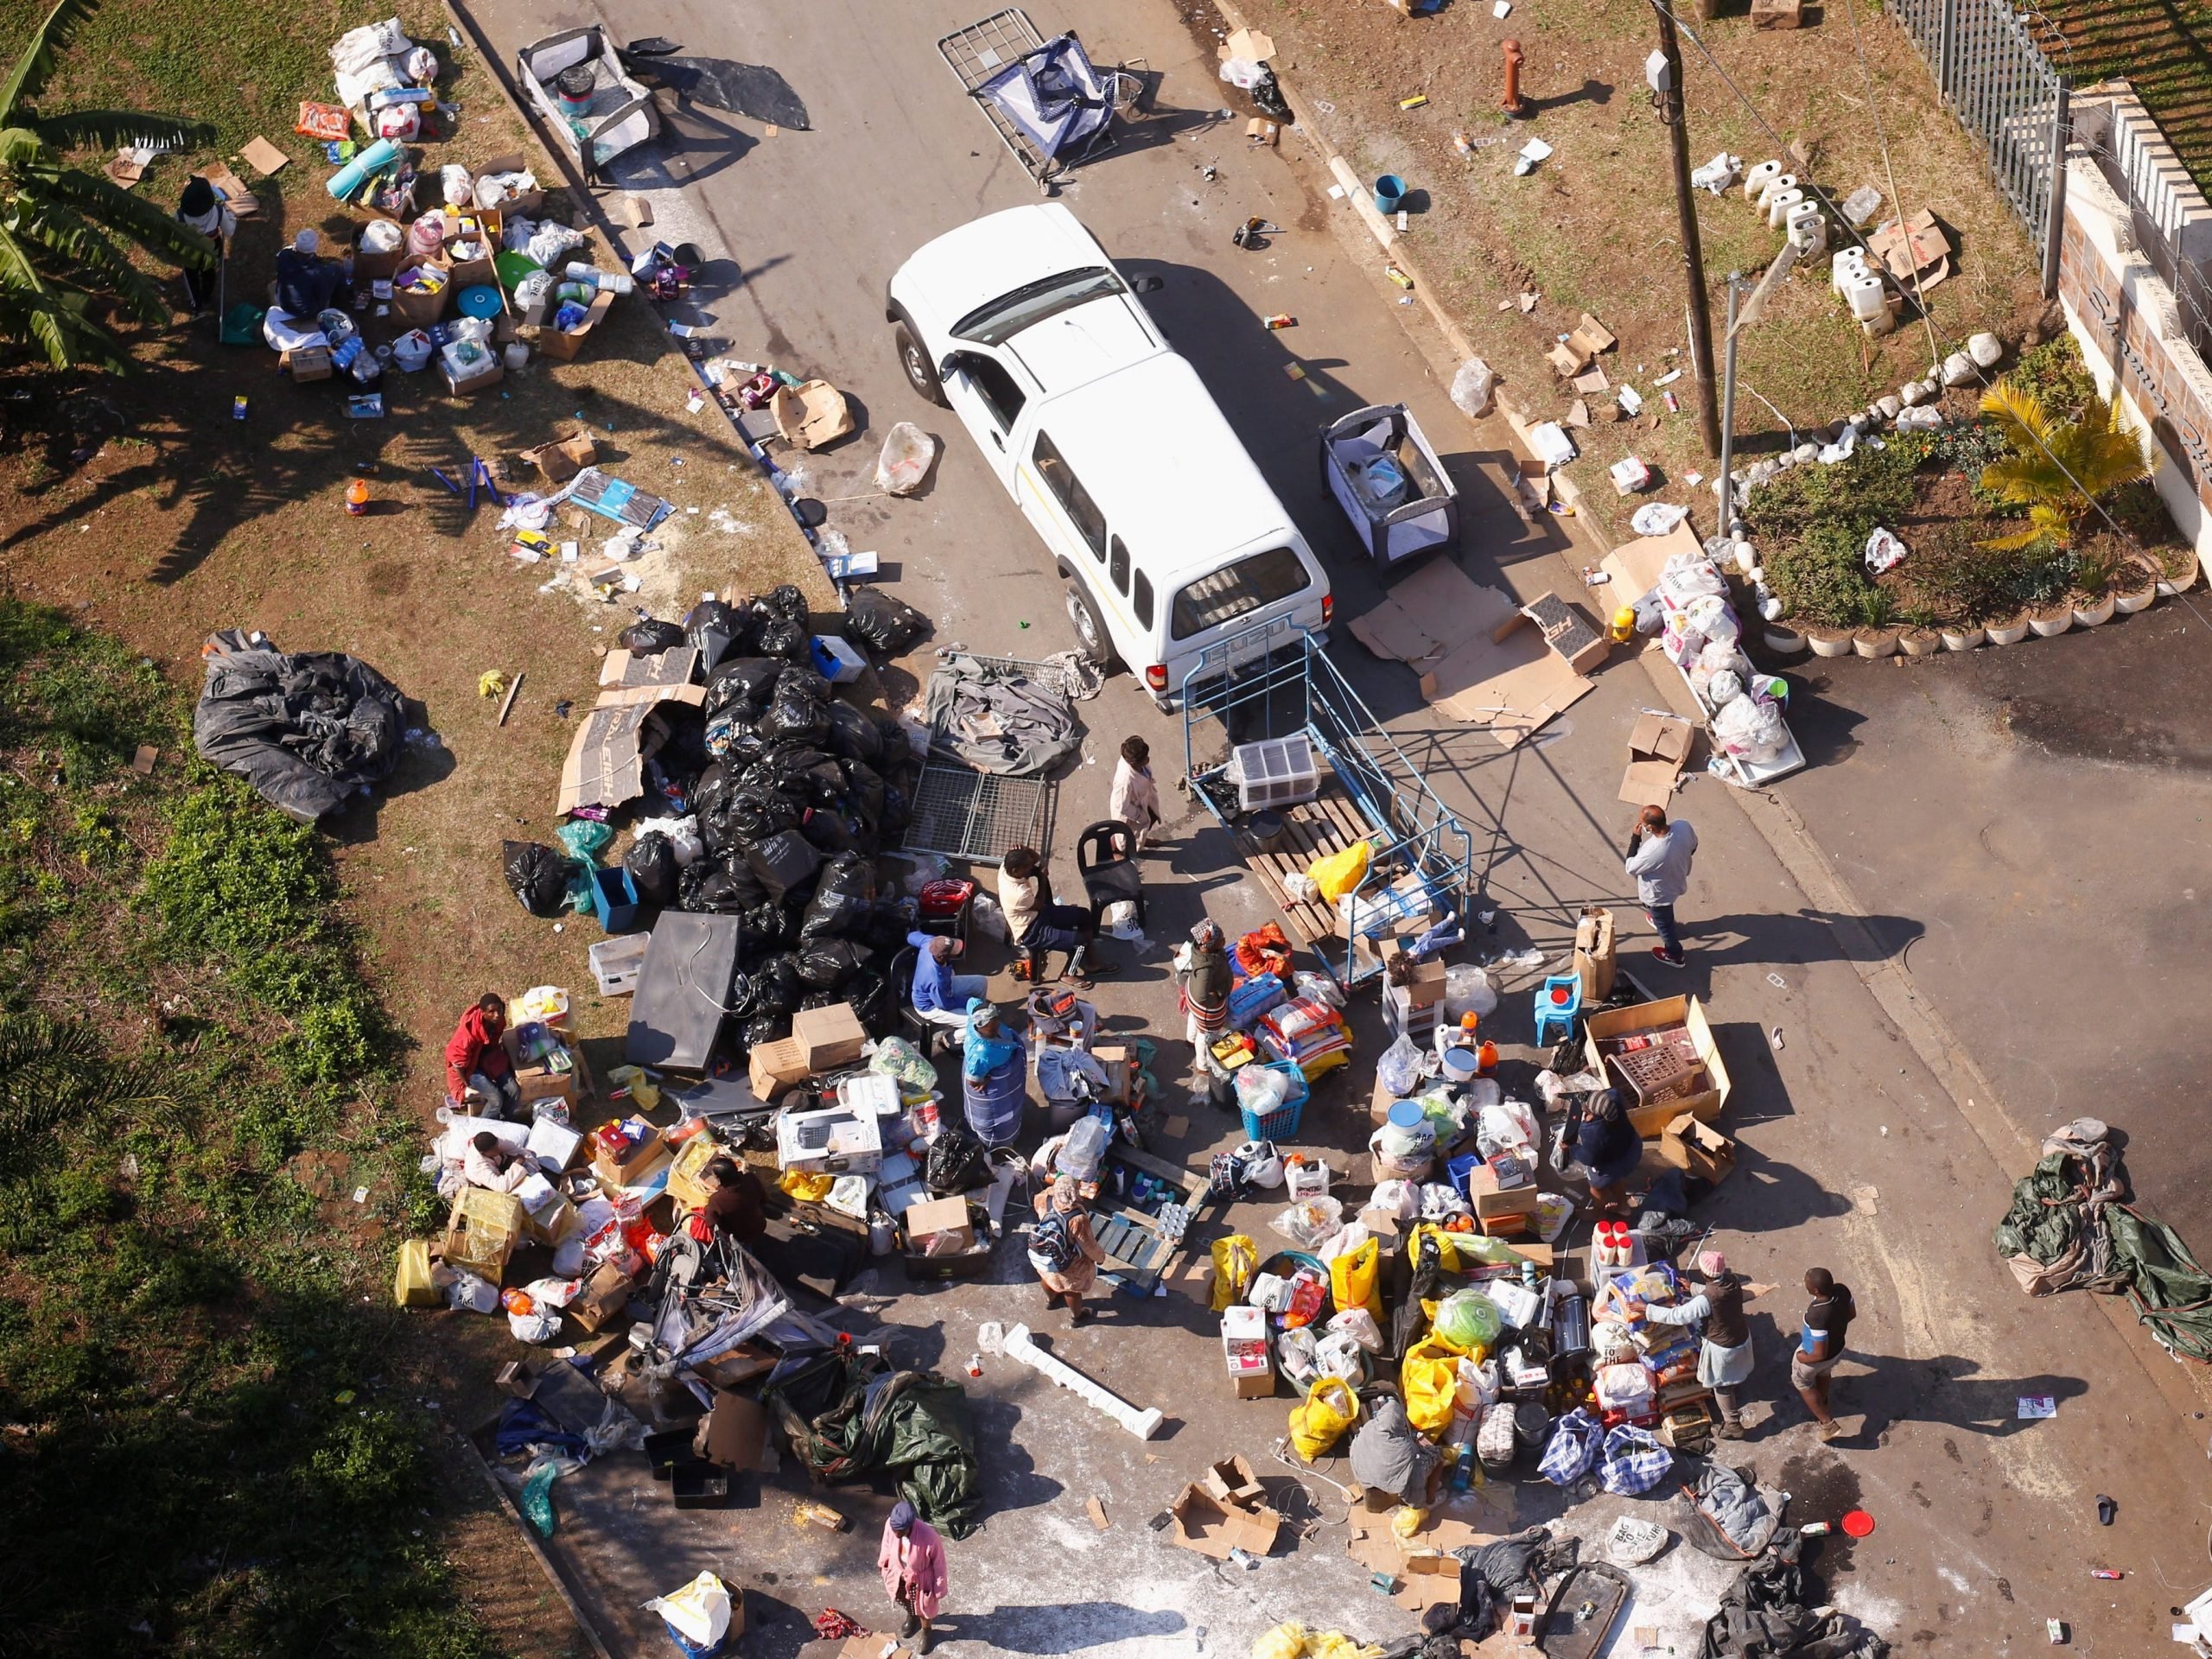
point(999, 718)
point(849, 1415)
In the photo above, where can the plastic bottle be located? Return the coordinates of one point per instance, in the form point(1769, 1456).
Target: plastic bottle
point(614, 282)
point(357, 498)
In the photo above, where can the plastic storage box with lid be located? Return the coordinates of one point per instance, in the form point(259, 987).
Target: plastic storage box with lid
point(833, 1141)
point(1277, 772)
point(617, 962)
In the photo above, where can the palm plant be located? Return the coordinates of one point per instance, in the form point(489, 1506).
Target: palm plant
point(2059, 468)
point(54, 1073)
point(66, 236)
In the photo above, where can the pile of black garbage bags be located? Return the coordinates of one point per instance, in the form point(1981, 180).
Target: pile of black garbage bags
point(792, 789)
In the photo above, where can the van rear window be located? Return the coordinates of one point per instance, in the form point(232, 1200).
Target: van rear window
point(1236, 590)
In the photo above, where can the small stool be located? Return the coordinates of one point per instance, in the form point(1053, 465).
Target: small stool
point(1555, 1009)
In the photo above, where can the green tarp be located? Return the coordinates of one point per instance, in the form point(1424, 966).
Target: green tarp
point(851, 1415)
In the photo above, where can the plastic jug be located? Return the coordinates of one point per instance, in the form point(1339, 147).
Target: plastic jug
point(1081, 1152)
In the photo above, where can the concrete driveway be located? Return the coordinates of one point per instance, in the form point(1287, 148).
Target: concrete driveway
point(1853, 1155)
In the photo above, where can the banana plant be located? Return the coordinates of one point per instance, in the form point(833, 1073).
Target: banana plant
point(68, 236)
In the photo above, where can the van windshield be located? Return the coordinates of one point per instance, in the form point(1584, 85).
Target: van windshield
point(1236, 590)
point(1033, 303)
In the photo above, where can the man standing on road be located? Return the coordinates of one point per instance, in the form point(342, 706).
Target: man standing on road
point(1135, 797)
point(1827, 1324)
point(1724, 1360)
point(1659, 856)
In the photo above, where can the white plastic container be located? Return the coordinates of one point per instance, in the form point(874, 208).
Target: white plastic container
point(1277, 771)
point(616, 963)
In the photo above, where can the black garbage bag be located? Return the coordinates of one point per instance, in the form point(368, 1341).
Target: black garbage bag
point(734, 736)
point(826, 963)
point(1267, 98)
point(854, 734)
point(957, 1162)
point(742, 995)
point(868, 993)
point(799, 711)
point(745, 682)
point(682, 754)
point(883, 626)
point(756, 809)
point(536, 875)
point(844, 896)
point(723, 889)
point(712, 628)
point(897, 810)
point(768, 926)
point(649, 636)
point(829, 831)
point(309, 730)
point(804, 772)
point(777, 987)
point(652, 864)
point(863, 792)
point(765, 1028)
point(783, 623)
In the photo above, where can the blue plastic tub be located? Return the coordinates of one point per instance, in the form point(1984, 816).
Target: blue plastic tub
point(614, 899)
point(1389, 194)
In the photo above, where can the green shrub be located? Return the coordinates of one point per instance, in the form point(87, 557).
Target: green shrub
point(1820, 578)
point(2055, 372)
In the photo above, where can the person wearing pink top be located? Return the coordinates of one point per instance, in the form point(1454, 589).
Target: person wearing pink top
point(912, 1560)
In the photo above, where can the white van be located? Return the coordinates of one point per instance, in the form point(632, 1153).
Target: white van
point(1166, 535)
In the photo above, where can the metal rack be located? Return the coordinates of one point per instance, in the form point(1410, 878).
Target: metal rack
point(981, 50)
point(960, 812)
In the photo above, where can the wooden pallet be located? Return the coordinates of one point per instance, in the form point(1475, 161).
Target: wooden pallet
point(1312, 830)
point(1136, 1255)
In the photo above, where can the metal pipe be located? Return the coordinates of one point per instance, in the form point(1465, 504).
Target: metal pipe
point(2055, 231)
point(1515, 104)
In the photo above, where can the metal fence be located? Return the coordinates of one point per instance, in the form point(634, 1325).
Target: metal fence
point(1991, 64)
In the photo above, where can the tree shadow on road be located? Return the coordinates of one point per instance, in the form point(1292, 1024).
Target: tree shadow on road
point(1056, 1627)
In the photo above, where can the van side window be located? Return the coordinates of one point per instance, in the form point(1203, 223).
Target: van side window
point(1001, 393)
point(1236, 590)
point(1117, 565)
point(1068, 490)
point(1141, 601)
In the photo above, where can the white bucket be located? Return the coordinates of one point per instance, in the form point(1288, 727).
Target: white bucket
point(517, 353)
point(412, 349)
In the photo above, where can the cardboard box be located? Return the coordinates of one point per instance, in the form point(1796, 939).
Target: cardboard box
point(487, 372)
point(562, 460)
point(735, 1432)
point(308, 364)
point(481, 1232)
point(525, 202)
point(543, 1083)
point(554, 1145)
point(638, 1169)
point(1232, 1481)
point(1610, 1025)
point(1204, 1523)
point(602, 1299)
point(606, 763)
point(552, 1221)
point(1593, 954)
point(518, 1378)
point(687, 1176)
point(1380, 1102)
point(774, 1067)
point(1259, 130)
point(810, 414)
point(939, 1226)
point(413, 308)
point(1491, 1199)
point(562, 348)
point(1698, 1147)
point(1658, 749)
point(829, 1037)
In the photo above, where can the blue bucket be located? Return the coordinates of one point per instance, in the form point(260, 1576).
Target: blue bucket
point(1389, 194)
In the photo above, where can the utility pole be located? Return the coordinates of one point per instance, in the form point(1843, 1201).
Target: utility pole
point(1728, 411)
point(1664, 73)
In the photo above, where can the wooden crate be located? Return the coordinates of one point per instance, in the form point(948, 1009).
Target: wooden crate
point(1312, 830)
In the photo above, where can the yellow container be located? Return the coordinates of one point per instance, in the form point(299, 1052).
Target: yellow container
point(687, 1178)
point(412, 1285)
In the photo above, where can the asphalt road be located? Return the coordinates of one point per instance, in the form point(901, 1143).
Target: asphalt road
point(1852, 1155)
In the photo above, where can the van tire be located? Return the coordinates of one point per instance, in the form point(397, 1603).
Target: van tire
point(921, 373)
point(1090, 635)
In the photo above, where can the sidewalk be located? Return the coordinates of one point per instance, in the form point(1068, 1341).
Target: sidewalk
point(1853, 1155)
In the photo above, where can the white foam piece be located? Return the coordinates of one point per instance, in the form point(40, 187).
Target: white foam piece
point(1143, 1424)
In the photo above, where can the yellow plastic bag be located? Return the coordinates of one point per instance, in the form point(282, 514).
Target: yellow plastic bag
point(1339, 873)
point(1234, 1259)
point(1355, 1279)
point(412, 1285)
point(1430, 1380)
point(807, 1188)
point(645, 1093)
point(1285, 1640)
point(1319, 1421)
point(1447, 1255)
point(1335, 1644)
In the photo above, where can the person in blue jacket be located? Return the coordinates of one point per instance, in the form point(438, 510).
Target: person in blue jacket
point(1609, 1148)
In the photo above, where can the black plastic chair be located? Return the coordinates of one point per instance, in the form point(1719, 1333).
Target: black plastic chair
point(1106, 856)
point(926, 1034)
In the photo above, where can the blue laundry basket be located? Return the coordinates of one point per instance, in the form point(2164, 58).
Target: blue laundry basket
point(1281, 1123)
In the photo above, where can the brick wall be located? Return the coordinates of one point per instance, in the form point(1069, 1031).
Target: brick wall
point(2123, 314)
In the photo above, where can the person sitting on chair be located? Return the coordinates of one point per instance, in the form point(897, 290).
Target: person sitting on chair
point(941, 995)
point(1038, 924)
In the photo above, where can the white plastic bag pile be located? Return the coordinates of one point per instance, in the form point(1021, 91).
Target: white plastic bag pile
point(379, 58)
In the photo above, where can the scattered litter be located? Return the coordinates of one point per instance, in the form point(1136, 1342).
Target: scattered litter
point(1532, 154)
point(2033, 1406)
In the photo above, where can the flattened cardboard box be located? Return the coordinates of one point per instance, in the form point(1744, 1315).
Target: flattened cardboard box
point(624, 669)
point(1658, 749)
point(606, 759)
point(1204, 1523)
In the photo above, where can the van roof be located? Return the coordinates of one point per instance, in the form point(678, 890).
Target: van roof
point(1152, 446)
point(999, 253)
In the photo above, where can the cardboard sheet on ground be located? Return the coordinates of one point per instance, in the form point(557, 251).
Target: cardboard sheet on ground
point(1475, 662)
point(677, 1009)
point(1634, 564)
point(1482, 1517)
point(606, 759)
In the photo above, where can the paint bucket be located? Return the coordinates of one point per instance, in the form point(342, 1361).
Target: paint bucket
point(1389, 194)
point(572, 90)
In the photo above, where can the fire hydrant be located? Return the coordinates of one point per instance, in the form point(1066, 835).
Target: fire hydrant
point(1515, 104)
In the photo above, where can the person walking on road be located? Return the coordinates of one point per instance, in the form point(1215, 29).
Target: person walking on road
point(1063, 1251)
point(1659, 855)
point(1135, 797)
point(1827, 1324)
point(912, 1560)
point(1724, 1360)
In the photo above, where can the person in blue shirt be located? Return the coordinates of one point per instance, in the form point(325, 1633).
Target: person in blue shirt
point(937, 989)
point(1609, 1149)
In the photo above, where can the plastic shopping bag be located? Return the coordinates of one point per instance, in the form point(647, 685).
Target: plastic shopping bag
point(1355, 1279)
point(1319, 1420)
point(1234, 1259)
point(1430, 1380)
point(1339, 873)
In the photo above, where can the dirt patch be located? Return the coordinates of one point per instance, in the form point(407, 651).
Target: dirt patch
point(1593, 226)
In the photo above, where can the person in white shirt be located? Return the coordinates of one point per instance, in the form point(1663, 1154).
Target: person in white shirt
point(1135, 796)
point(489, 1164)
point(1038, 924)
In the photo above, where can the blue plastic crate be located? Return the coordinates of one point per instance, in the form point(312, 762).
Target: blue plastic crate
point(614, 899)
point(1281, 1123)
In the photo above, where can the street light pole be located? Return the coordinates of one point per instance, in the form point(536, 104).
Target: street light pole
point(1669, 98)
point(1728, 410)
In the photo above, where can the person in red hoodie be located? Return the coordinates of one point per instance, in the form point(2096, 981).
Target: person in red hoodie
point(477, 1064)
